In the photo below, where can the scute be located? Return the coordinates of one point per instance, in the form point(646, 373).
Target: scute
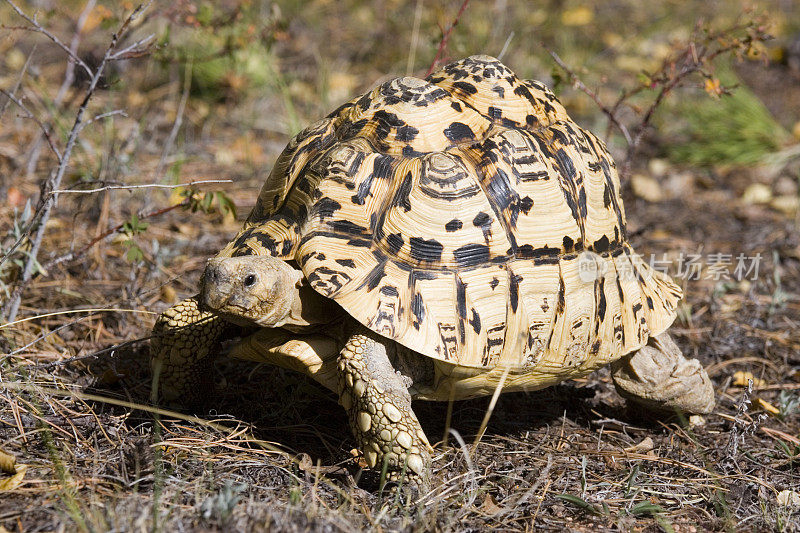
point(468, 218)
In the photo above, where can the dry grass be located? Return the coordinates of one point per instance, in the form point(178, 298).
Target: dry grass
point(275, 452)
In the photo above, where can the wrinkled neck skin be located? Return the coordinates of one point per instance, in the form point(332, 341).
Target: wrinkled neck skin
point(264, 291)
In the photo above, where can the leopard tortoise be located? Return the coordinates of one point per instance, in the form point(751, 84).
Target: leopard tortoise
point(436, 239)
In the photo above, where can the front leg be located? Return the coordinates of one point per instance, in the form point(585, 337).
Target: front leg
point(182, 340)
point(378, 404)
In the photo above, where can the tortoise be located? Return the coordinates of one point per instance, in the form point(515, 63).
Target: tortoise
point(436, 239)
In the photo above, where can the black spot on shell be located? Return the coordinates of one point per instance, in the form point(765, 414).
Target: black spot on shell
point(595, 349)
point(345, 226)
point(501, 191)
point(513, 291)
point(465, 87)
point(453, 225)
point(601, 245)
point(476, 321)
point(650, 303)
point(426, 250)
point(527, 251)
point(461, 298)
point(401, 198)
point(494, 283)
point(561, 296)
point(499, 90)
point(385, 123)
point(326, 207)
point(388, 290)
point(601, 300)
point(456, 106)
point(481, 219)
point(374, 277)
point(606, 196)
point(525, 204)
point(568, 243)
point(495, 113)
point(406, 133)
point(347, 263)
point(395, 242)
point(471, 255)
point(418, 308)
point(458, 131)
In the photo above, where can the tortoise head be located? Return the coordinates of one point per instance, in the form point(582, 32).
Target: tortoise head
point(251, 289)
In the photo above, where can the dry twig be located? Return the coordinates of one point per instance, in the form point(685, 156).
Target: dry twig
point(446, 37)
point(47, 200)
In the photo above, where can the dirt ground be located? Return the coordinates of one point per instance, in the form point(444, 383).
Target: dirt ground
point(273, 451)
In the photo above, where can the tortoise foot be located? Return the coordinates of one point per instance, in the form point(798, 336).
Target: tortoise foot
point(379, 408)
point(660, 378)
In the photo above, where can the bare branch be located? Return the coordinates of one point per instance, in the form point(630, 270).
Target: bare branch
point(577, 83)
point(139, 186)
point(446, 37)
point(35, 26)
point(71, 256)
point(101, 116)
point(19, 80)
point(137, 49)
point(29, 114)
point(48, 200)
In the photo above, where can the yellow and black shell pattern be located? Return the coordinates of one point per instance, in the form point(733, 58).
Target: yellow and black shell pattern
point(466, 217)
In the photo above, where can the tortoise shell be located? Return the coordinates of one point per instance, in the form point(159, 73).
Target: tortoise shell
point(466, 217)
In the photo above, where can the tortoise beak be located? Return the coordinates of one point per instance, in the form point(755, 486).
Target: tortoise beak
point(216, 285)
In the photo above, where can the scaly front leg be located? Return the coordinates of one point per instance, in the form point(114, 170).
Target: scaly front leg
point(378, 404)
point(183, 337)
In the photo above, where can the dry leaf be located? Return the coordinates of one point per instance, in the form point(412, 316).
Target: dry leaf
point(490, 506)
point(14, 481)
point(713, 87)
point(788, 498)
point(766, 406)
point(740, 379)
point(15, 197)
point(645, 446)
point(358, 458)
point(7, 462)
point(168, 294)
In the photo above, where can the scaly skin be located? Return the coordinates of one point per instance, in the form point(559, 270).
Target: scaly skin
point(378, 405)
point(183, 338)
point(661, 379)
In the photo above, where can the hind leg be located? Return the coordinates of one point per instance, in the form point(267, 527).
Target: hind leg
point(660, 378)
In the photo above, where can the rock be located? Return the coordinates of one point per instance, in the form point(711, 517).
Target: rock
point(757, 193)
point(788, 205)
point(658, 167)
point(647, 188)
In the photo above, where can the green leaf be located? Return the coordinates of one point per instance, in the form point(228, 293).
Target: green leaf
point(646, 508)
point(226, 205)
point(580, 503)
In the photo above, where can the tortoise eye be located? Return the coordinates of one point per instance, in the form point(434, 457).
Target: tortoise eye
point(249, 280)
